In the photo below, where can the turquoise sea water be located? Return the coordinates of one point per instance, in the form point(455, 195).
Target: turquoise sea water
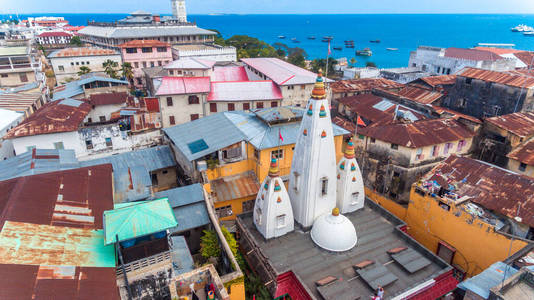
point(404, 32)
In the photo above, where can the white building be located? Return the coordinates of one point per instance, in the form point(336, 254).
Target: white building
point(207, 51)
point(445, 61)
point(103, 105)
point(179, 11)
point(66, 62)
point(8, 120)
point(350, 196)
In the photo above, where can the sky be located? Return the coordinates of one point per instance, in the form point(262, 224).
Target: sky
point(271, 6)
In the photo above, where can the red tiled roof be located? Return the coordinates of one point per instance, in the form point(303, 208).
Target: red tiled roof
point(230, 73)
point(88, 51)
point(498, 51)
point(419, 134)
point(520, 124)
point(363, 85)
point(244, 90)
point(417, 94)
point(471, 54)
point(434, 81)
point(527, 57)
point(54, 34)
point(144, 43)
point(53, 117)
point(498, 77)
point(183, 85)
point(109, 98)
point(491, 187)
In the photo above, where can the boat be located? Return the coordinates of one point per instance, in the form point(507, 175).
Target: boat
point(528, 33)
point(349, 42)
point(311, 38)
point(349, 46)
point(522, 28)
point(281, 37)
point(364, 52)
point(374, 41)
point(296, 41)
point(338, 48)
point(392, 49)
point(327, 38)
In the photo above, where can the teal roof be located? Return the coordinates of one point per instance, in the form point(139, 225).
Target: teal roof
point(140, 219)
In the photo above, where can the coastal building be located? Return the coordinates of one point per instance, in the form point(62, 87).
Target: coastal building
point(295, 83)
point(104, 105)
point(54, 39)
point(8, 120)
point(360, 73)
point(483, 94)
point(520, 57)
point(208, 51)
point(66, 62)
point(143, 54)
point(19, 66)
point(330, 261)
point(413, 96)
point(449, 61)
point(471, 213)
point(46, 22)
point(87, 86)
point(403, 75)
point(440, 83)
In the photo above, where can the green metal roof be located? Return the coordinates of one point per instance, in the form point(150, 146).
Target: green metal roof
point(11, 51)
point(138, 220)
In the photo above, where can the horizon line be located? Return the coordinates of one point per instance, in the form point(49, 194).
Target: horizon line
point(288, 14)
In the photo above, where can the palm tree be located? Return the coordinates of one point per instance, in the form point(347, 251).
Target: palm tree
point(84, 70)
point(109, 67)
point(127, 72)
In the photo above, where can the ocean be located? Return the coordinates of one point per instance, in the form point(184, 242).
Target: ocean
point(404, 32)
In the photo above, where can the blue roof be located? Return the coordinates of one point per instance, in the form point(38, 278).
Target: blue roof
point(489, 278)
point(227, 128)
point(182, 196)
point(182, 261)
point(75, 88)
point(26, 87)
point(43, 161)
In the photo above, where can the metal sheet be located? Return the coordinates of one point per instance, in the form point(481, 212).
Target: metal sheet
point(410, 260)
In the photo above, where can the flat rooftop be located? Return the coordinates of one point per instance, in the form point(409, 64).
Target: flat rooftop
point(377, 232)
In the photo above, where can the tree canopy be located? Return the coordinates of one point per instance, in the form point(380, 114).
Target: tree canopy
point(76, 41)
point(320, 63)
point(247, 46)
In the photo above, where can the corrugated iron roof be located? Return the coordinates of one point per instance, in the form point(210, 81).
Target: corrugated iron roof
point(235, 187)
point(20, 102)
point(75, 88)
point(344, 123)
point(244, 91)
point(188, 63)
point(527, 57)
point(520, 124)
point(524, 153)
point(138, 219)
point(53, 117)
point(37, 161)
point(441, 80)
point(443, 112)
point(493, 188)
point(144, 43)
point(55, 34)
point(109, 98)
point(471, 54)
point(183, 196)
point(489, 278)
point(229, 73)
point(416, 94)
point(498, 51)
point(137, 32)
point(505, 78)
point(87, 51)
point(281, 72)
point(183, 85)
point(419, 134)
point(363, 85)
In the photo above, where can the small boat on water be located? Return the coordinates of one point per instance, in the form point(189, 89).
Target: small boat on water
point(364, 52)
point(338, 48)
point(281, 37)
point(296, 41)
point(522, 28)
point(374, 41)
point(311, 37)
point(529, 33)
point(349, 46)
point(349, 42)
point(392, 49)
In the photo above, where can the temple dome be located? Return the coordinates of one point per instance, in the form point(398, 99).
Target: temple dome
point(334, 232)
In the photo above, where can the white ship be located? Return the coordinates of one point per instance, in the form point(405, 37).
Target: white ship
point(522, 28)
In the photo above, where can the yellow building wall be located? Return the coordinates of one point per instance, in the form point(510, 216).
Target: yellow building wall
point(393, 207)
point(237, 291)
point(477, 244)
point(237, 206)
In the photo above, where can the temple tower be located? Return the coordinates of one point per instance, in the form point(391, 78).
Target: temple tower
point(312, 183)
point(273, 215)
point(178, 10)
point(350, 191)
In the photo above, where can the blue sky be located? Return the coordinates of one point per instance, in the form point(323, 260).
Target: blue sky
point(271, 6)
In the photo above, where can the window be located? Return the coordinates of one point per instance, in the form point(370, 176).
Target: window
point(224, 211)
point(72, 63)
point(277, 153)
point(259, 105)
point(171, 120)
point(77, 63)
point(462, 102)
point(281, 221)
point(87, 63)
point(419, 154)
point(171, 72)
point(324, 186)
point(139, 81)
point(439, 69)
point(213, 107)
point(461, 145)
point(136, 64)
point(468, 80)
point(83, 63)
point(246, 106)
point(109, 143)
point(89, 144)
point(102, 118)
point(89, 120)
point(131, 50)
point(247, 205)
point(194, 117)
point(354, 198)
point(522, 167)
point(274, 104)
point(373, 140)
point(231, 106)
point(152, 64)
point(361, 136)
point(193, 99)
point(296, 178)
point(161, 49)
point(447, 147)
point(302, 87)
point(147, 49)
point(144, 64)
point(61, 68)
point(231, 153)
point(59, 146)
point(394, 146)
point(23, 78)
point(159, 63)
point(3, 75)
point(169, 101)
point(257, 154)
point(435, 150)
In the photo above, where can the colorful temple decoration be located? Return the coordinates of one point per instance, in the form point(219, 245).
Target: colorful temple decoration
point(279, 200)
point(349, 151)
point(319, 92)
point(305, 132)
point(352, 167)
point(342, 166)
point(273, 170)
point(277, 187)
point(323, 134)
point(322, 112)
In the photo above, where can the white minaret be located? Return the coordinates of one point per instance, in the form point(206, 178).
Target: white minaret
point(312, 184)
point(350, 192)
point(178, 10)
point(273, 215)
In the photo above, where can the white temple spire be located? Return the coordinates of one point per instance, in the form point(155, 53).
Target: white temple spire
point(179, 11)
point(350, 191)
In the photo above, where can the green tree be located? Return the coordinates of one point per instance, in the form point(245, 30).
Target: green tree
point(242, 53)
point(297, 58)
point(252, 46)
point(110, 68)
point(209, 244)
point(219, 40)
point(353, 61)
point(127, 72)
point(320, 63)
point(76, 41)
point(370, 64)
point(84, 70)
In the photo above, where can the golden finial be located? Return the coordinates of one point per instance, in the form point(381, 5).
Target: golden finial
point(335, 212)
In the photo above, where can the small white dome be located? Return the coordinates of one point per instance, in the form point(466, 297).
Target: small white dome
point(334, 232)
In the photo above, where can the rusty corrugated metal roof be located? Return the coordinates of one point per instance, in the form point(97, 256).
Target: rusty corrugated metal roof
point(520, 124)
point(54, 117)
point(492, 187)
point(434, 81)
point(363, 85)
point(88, 51)
point(419, 134)
point(344, 123)
point(526, 57)
point(505, 78)
point(524, 153)
point(236, 186)
point(443, 112)
point(109, 98)
point(416, 94)
point(471, 54)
